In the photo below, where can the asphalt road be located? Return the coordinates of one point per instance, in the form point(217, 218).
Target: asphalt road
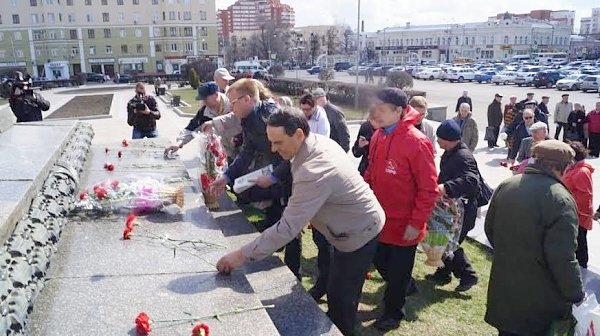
point(446, 93)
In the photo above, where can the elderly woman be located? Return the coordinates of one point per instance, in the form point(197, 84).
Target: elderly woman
point(576, 121)
point(284, 101)
point(578, 179)
point(520, 132)
point(539, 132)
point(468, 126)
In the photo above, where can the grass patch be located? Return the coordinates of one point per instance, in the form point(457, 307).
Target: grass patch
point(433, 311)
point(95, 105)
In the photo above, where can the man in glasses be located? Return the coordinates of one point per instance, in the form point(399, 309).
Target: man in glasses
point(521, 132)
point(317, 118)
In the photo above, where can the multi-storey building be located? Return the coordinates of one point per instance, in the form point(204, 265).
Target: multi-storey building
point(562, 17)
point(250, 15)
point(591, 25)
point(496, 39)
point(60, 38)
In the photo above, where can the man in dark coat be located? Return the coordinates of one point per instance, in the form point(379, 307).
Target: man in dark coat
point(537, 116)
point(494, 115)
point(531, 224)
point(520, 132)
point(458, 178)
point(464, 99)
point(521, 104)
point(543, 106)
point(361, 145)
point(25, 104)
point(337, 120)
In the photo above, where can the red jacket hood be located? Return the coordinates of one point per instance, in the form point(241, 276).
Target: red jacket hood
point(582, 164)
point(410, 119)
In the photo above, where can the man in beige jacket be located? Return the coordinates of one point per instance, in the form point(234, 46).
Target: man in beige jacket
point(329, 193)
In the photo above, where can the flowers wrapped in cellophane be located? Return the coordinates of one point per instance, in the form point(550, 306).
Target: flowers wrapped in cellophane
point(443, 230)
point(138, 195)
point(213, 163)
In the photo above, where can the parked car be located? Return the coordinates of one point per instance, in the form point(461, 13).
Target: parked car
point(382, 70)
point(396, 69)
point(94, 77)
point(571, 82)
point(314, 70)
point(524, 78)
point(460, 75)
point(123, 78)
point(485, 76)
point(547, 78)
point(341, 66)
point(354, 70)
point(430, 73)
point(590, 83)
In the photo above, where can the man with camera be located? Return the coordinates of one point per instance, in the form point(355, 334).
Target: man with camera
point(25, 104)
point(142, 113)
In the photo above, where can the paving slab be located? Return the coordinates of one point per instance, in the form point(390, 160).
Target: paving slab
point(15, 197)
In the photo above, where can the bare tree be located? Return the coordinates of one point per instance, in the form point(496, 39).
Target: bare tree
point(331, 40)
point(315, 46)
point(347, 41)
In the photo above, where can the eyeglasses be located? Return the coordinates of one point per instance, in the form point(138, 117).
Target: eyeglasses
point(527, 118)
point(231, 102)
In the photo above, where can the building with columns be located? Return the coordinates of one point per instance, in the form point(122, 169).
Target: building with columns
point(495, 39)
point(56, 39)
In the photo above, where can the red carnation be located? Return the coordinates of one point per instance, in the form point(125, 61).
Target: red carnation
point(205, 181)
point(114, 184)
point(100, 192)
point(130, 221)
point(504, 164)
point(368, 276)
point(142, 324)
point(310, 226)
point(110, 167)
point(125, 143)
point(120, 154)
point(127, 233)
point(201, 330)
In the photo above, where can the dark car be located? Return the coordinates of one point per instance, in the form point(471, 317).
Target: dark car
point(484, 76)
point(547, 78)
point(314, 70)
point(123, 79)
point(382, 70)
point(341, 66)
point(94, 77)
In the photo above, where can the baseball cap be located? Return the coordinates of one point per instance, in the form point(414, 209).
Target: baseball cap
point(499, 95)
point(223, 74)
point(207, 89)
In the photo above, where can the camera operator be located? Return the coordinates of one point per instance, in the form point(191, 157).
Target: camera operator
point(142, 113)
point(26, 105)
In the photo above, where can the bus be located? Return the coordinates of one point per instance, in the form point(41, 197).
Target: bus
point(547, 58)
point(521, 58)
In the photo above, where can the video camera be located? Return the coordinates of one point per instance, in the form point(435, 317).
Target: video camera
point(138, 103)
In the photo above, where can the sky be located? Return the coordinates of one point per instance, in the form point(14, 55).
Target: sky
point(379, 14)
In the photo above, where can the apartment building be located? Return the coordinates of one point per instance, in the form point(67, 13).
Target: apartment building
point(250, 15)
point(59, 38)
point(591, 25)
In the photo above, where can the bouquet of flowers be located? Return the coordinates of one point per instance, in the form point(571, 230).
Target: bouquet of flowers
point(443, 230)
point(141, 195)
point(213, 162)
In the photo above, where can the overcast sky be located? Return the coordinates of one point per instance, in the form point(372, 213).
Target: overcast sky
point(378, 14)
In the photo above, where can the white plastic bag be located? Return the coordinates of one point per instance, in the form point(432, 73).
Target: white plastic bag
point(244, 183)
point(585, 315)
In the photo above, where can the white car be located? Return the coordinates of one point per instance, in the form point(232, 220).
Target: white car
point(571, 82)
point(430, 73)
point(504, 77)
point(460, 75)
point(524, 78)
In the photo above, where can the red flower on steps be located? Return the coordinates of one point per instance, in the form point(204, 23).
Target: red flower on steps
point(205, 180)
point(127, 233)
point(201, 330)
point(142, 324)
point(125, 143)
point(130, 221)
point(100, 192)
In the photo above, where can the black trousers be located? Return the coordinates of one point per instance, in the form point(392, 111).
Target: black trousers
point(395, 264)
point(582, 249)
point(559, 127)
point(493, 143)
point(323, 259)
point(345, 284)
point(293, 250)
point(506, 333)
point(594, 144)
point(459, 264)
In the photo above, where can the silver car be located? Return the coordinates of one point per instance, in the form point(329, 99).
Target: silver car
point(590, 83)
point(571, 82)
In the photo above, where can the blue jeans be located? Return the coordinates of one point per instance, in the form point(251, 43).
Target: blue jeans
point(140, 134)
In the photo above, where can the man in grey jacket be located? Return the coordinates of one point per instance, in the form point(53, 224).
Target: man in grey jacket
point(339, 129)
point(561, 114)
point(330, 194)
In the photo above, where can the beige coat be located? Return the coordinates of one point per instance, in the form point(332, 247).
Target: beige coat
point(429, 130)
point(329, 193)
point(470, 133)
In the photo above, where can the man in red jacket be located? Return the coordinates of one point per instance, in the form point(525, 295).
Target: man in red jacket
point(593, 121)
point(402, 174)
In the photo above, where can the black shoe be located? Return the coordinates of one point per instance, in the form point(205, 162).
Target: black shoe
point(438, 279)
point(317, 293)
point(412, 289)
point(466, 284)
point(385, 323)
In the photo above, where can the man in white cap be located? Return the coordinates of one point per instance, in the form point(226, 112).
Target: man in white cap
point(222, 78)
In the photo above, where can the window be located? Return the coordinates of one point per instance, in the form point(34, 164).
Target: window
point(122, 33)
point(155, 2)
point(88, 2)
point(124, 48)
point(427, 53)
point(506, 39)
point(492, 40)
point(60, 17)
point(1, 36)
point(157, 32)
point(158, 48)
point(173, 31)
point(520, 39)
point(159, 65)
point(16, 19)
point(3, 53)
point(136, 2)
point(204, 46)
point(74, 51)
point(50, 2)
point(187, 15)
point(18, 36)
point(121, 17)
point(172, 15)
point(53, 52)
point(73, 34)
point(37, 35)
point(69, 2)
point(33, 3)
point(105, 17)
point(91, 33)
point(187, 31)
point(136, 18)
point(89, 17)
point(19, 53)
point(35, 18)
point(92, 50)
point(189, 46)
point(120, 3)
point(138, 32)
point(108, 50)
point(52, 35)
point(155, 17)
point(107, 33)
point(139, 48)
point(71, 17)
point(203, 15)
point(173, 47)
point(203, 31)
point(104, 2)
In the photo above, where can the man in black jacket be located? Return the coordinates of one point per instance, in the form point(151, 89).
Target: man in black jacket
point(459, 178)
point(25, 104)
point(361, 145)
point(464, 99)
point(521, 104)
point(142, 114)
point(543, 106)
point(339, 129)
point(255, 154)
point(494, 116)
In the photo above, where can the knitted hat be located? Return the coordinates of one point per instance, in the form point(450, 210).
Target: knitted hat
point(449, 130)
point(553, 150)
point(207, 89)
